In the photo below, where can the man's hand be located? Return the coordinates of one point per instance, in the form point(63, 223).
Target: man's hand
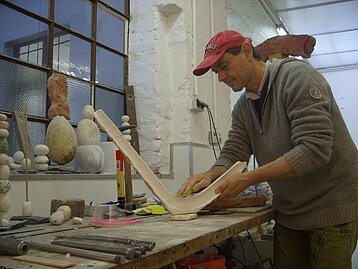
point(233, 185)
point(200, 181)
point(195, 183)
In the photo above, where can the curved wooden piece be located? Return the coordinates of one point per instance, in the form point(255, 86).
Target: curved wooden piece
point(295, 45)
point(176, 205)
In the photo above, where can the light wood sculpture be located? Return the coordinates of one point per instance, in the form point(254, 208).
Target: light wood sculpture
point(177, 206)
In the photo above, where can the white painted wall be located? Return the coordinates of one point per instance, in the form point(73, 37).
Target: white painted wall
point(250, 19)
point(167, 40)
point(345, 90)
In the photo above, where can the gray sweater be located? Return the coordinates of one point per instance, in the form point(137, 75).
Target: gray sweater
point(302, 122)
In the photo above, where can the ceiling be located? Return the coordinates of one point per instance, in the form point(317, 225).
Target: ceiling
point(334, 24)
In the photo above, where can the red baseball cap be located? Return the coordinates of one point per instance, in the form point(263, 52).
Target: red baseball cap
point(216, 47)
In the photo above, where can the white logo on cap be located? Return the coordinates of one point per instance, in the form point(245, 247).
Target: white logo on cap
point(211, 46)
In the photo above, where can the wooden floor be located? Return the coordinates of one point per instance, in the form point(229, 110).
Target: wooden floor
point(174, 239)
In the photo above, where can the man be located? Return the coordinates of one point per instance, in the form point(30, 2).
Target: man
point(290, 121)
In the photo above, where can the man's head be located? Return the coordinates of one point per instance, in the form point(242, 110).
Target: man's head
point(234, 59)
point(216, 48)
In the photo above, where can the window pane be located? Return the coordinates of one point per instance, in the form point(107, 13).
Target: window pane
point(79, 95)
point(110, 68)
point(117, 4)
point(110, 30)
point(37, 135)
point(72, 56)
point(75, 15)
point(112, 103)
point(18, 31)
point(14, 79)
point(39, 7)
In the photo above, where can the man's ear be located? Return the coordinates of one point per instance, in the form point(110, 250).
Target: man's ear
point(246, 47)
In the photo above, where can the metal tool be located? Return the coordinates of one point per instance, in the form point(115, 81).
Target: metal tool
point(12, 246)
point(105, 242)
point(119, 259)
point(148, 245)
point(128, 252)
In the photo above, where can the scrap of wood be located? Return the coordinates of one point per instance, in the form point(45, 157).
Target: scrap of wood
point(44, 261)
point(22, 134)
point(176, 205)
point(295, 45)
point(131, 112)
point(233, 202)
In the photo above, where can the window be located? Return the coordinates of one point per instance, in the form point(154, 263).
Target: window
point(85, 40)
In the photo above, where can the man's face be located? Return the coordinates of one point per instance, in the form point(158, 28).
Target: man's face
point(233, 70)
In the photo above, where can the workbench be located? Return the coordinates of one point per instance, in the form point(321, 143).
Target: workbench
point(174, 239)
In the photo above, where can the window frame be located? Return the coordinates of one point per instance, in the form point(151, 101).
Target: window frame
point(92, 40)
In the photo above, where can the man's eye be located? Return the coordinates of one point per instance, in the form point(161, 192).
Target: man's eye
point(225, 67)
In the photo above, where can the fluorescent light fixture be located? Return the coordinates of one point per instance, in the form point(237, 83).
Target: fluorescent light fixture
point(281, 31)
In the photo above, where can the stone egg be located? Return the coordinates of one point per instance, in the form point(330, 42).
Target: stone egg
point(4, 202)
point(90, 159)
point(41, 150)
point(23, 163)
point(4, 125)
point(4, 159)
point(88, 133)
point(5, 186)
point(4, 171)
point(18, 156)
point(61, 140)
point(4, 133)
point(3, 117)
point(88, 112)
point(4, 147)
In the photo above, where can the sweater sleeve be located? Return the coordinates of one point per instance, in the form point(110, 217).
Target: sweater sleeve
point(237, 146)
point(308, 100)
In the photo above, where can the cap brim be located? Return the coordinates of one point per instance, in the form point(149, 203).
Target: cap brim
point(207, 63)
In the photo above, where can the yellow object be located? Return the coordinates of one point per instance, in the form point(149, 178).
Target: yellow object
point(151, 209)
point(185, 194)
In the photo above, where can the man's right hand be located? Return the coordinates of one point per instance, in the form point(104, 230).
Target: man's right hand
point(200, 181)
point(195, 183)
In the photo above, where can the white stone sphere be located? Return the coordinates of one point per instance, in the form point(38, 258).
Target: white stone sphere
point(4, 223)
point(4, 202)
point(41, 159)
point(4, 215)
point(11, 160)
point(3, 117)
point(4, 159)
point(23, 163)
point(88, 133)
point(125, 118)
point(57, 218)
point(66, 211)
point(4, 171)
point(41, 166)
point(14, 166)
point(18, 157)
point(41, 149)
point(4, 133)
point(90, 158)
point(5, 186)
point(4, 125)
point(88, 112)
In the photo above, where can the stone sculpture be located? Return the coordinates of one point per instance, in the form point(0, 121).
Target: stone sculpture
point(60, 137)
point(90, 156)
point(5, 184)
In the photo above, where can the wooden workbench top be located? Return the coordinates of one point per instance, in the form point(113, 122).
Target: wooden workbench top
point(174, 239)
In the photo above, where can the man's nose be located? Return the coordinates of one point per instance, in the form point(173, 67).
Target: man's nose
point(221, 76)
